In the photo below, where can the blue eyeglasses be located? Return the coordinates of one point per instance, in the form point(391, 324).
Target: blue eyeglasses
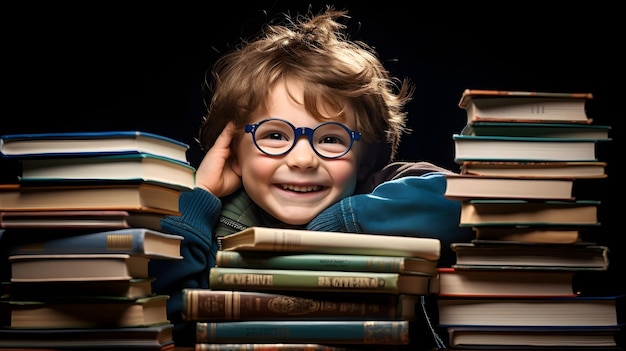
point(276, 137)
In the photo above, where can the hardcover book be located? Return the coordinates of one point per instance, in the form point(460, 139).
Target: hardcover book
point(125, 197)
point(223, 278)
point(364, 332)
point(525, 149)
point(585, 311)
point(271, 347)
point(523, 212)
point(141, 167)
point(88, 313)
point(132, 241)
point(465, 187)
point(554, 169)
point(502, 282)
point(233, 305)
point(305, 241)
point(79, 267)
point(525, 106)
point(529, 234)
point(538, 130)
point(328, 262)
point(82, 144)
point(512, 256)
point(82, 220)
point(129, 288)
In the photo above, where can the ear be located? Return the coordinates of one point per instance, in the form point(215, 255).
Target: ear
point(234, 165)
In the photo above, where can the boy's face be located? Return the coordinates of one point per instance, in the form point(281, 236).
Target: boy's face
point(297, 186)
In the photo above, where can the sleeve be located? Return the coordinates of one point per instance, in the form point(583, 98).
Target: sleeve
point(199, 212)
point(407, 206)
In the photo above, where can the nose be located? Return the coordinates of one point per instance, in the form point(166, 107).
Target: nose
point(302, 155)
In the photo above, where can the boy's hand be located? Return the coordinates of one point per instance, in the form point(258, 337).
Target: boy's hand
point(214, 173)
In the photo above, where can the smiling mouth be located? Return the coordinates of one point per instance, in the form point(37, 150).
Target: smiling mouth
point(301, 189)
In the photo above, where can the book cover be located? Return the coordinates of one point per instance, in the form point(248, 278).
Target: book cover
point(126, 197)
point(525, 106)
point(531, 213)
point(79, 267)
point(512, 256)
point(538, 130)
point(465, 187)
point(271, 347)
point(132, 241)
point(223, 278)
point(328, 262)
point(502, 282)
point(88, 313)
point(552, 169)
point(233, 305)
point(129, 288)
point(501, 148)
point(333, 332)
point(139, 167)
point(81, 144)
point(547, 311)
point(157, 335)
point(82, 220)
point(305, 241)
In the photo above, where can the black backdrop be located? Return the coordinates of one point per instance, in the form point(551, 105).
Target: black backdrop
point(122, 66)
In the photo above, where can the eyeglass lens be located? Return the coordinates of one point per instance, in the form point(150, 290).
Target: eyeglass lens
point(275, 137)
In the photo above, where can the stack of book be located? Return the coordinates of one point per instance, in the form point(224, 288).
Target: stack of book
point(330, 291)
point(515, 287)
point(78, 230)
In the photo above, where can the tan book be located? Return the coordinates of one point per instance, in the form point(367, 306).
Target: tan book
point(77, 267)
point(529, 234)
point(303, 241)
point(126, 197)
point(554, 169)
point(524, 106)
point(465, 187)
point(129, 288)
point(234, 305)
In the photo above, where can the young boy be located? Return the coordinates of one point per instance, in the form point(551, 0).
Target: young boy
point(301, 128)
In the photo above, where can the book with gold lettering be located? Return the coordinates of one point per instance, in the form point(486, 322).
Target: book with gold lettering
point(224, 278)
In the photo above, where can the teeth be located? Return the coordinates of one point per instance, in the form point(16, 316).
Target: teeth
point(302, 189)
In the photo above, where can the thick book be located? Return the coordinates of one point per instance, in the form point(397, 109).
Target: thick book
point(125, 197)
point(270, 347)
point(133, 241)
point(553, 169)
point(306, 241)
point(524, 212)
point(525, 106)
point(325, 262)
point(143, 338)
point(79, 267)
point(502, 148)
point(540, 234)
point(547, 311)
point(141, 167)
point(465, 187)
point(235, 305)
point(223, 278)
point(83, 144)
point(489, 337)
point(128, 288)
point(87, 313)
point(538, 130)
point(513, 256)
point(82, 220)
point(502, 282)
point(363, 332)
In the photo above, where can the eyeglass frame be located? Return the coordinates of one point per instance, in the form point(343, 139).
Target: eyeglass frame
point(302, 131)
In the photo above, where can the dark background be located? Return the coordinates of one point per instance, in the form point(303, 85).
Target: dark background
point(139, 66)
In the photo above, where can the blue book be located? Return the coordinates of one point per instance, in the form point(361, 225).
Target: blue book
point(365, 332)
point(80, 144)
point(132, 241)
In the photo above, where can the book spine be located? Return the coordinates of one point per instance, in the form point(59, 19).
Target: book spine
point(268, 347)
point(224, 278)
point(340, 332)
point(352, 263)
point(207, 305)
point(129, 242)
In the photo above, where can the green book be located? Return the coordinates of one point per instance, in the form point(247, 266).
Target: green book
point(224, 278)
point(294, 331)
point(326, 262)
